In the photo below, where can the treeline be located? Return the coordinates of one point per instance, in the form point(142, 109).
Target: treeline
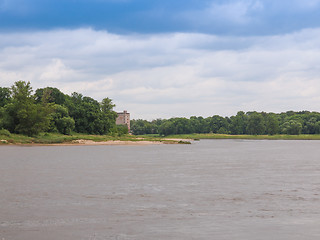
point(251, 123)
point(50, 110)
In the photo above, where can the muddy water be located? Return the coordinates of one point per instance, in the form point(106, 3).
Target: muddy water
point(212, 189)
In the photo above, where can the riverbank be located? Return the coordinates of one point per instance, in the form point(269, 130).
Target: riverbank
point(83, 139)
point(253, 137)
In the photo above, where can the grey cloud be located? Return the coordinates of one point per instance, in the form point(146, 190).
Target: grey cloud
point(170, 74)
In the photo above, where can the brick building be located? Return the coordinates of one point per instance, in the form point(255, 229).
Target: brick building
point(123, 119)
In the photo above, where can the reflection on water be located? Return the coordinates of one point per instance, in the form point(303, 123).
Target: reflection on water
point(212, 189)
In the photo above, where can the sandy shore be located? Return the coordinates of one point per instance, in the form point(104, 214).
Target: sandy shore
point(116, 142)
point(83, 142)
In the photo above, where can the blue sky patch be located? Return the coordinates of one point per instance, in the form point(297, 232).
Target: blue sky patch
point(228, 17)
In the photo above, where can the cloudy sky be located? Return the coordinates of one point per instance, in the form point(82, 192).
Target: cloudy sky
point(169, 58)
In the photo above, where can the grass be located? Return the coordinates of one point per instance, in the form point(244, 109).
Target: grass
point(253, 137)
point(55, 138)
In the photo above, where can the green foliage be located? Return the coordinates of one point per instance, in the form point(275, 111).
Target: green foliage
point(218, 124)
point(292, 127)
point(121, 130)
point(199, 124)
point(23, 115)
point(51, 110)
point(5, 132)
point(238, 123)
point(140, 127)
point(65, 125)
point(21, 91)
point(5, 96)
point(272, 124)
point(256, 124)
point(2, 116)
point(60, 120)
point(167, 128)
point(89, 115)
point(252, 123)
point(50, 95)
point(107, 105)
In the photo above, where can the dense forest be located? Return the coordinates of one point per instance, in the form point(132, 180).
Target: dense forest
point(50, 110)
point(251, 123)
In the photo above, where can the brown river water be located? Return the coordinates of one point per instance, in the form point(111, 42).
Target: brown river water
point(211, 189)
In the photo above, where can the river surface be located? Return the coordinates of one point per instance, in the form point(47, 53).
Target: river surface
point(211, 189)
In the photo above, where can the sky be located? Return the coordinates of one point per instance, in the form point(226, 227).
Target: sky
point(169, 58)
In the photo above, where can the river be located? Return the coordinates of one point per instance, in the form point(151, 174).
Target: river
point(211, 189)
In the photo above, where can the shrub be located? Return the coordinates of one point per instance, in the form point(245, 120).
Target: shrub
point(5, 132)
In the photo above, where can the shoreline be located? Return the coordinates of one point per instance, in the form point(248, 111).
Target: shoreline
point(83, 142)
point(89, 140)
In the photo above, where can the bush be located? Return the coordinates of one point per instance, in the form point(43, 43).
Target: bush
point(122, 129)
point(5, 132)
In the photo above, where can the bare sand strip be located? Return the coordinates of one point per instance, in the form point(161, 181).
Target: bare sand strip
point(118, 142)
point(83, 142)
point(180, 139)
point(111, 142)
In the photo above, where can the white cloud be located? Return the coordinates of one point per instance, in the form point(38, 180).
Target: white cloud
point(169, 75)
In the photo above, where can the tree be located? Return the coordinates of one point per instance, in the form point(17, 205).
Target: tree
point(181, 126)
point(197, 124)
point(108, 116)
point(60, 120)
point(256, 125)
point(218, 124)
point(50, 95)
point(166, 128)
point(238, 123)
point(122, 130)
point(272, 124)
point(107, 105)
point(89, 115)
point(140, 127)
point(65, 125)
point(22, 114)
point(292, 127)
point(5, 96)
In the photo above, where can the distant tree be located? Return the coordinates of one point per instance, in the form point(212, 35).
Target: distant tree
point(218, 124)
point(167, 128)
point(310, 126)
point(317, 127)
point(238, 123)
point(155, 124)
point(198, 124)
point(293, 127)
point(140, 127)
point(272, 124)
point(256, 124)
point(121, 130)
point(181, 126)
